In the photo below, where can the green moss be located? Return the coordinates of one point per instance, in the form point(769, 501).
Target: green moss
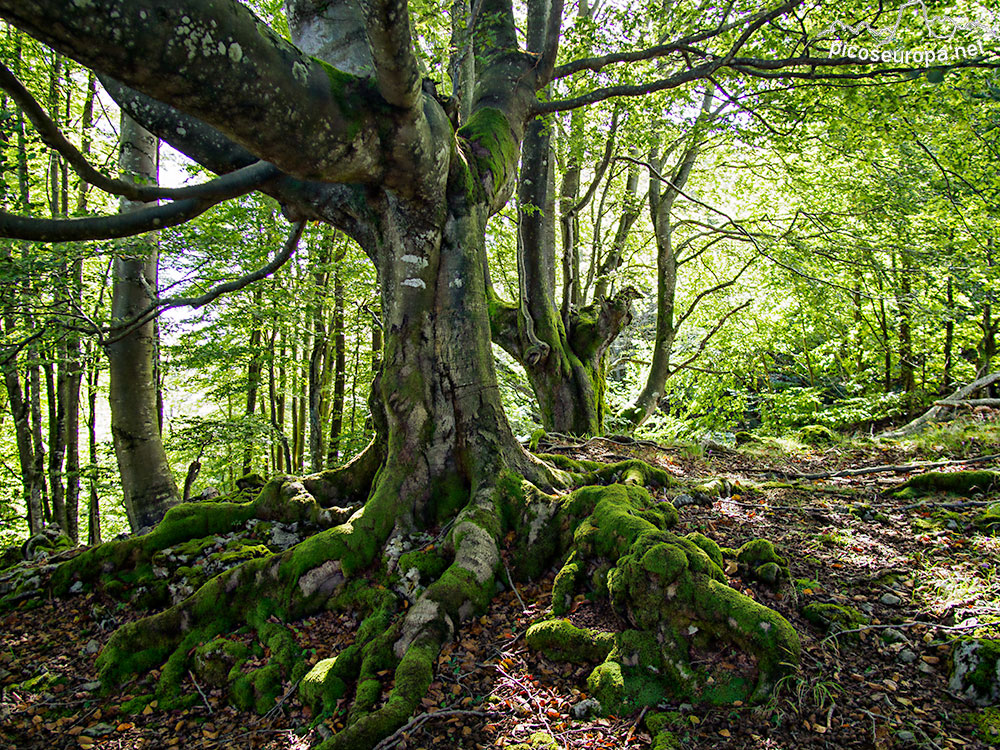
point(758, 560)
point(137, 704)
point(537, 741)
point(957, 482)
point(988, 521)
point(536, 437)
point(562, 641)
point(430, 564)
point(41, 683)
point(708, 546)
point(564, 585)
point(343, 87)
point(321, 688)
point(607, 684)
point(834, 618)
point(214, 660)
point(493, 146)
point(817, 434)
point(985, 723)
point(239, 553)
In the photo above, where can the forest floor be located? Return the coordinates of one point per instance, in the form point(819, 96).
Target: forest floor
point(847, 543)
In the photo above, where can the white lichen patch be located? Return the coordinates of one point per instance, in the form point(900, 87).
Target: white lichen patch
point(323, 579)
point(235, 52)
point(455, 283)
point(300, 72)
point(415, 283)
point(415, 260)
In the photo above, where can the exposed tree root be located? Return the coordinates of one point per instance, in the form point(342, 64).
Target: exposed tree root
point(609, 540)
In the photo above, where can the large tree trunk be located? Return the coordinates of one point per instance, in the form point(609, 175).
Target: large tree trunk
point(147, 482)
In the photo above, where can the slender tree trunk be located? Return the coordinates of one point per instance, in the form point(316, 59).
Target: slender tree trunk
point(340, 362)
point(11, 294)
point(254, 371)
point(93, 472)
point(661, 204)
point(949, 335)
point(147, 482)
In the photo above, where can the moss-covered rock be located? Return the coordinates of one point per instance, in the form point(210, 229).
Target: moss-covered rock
point(963, 483)
point(834, 618)
point(661, 726)
point(562, 641)
point(214, 661)
point(817, 435)
point(321, 688)
point(759, 561)
point(975, 670)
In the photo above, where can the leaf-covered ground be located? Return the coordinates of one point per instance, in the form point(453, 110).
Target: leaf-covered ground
point(915, 571)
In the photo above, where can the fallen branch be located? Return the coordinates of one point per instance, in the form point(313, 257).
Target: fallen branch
point(200, 692)
point(883, 469)
point(969, 402)
point(834, 636)
point(951, 506)
point(936, 413)
point(416, 721)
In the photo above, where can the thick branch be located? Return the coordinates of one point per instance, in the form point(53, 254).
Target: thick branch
point(53, 137)
point(141, 220)
point(220, 63)
point(937, 412)
point(388, 27)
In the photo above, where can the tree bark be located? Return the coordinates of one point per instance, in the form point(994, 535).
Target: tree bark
point(340, 361)
point(147, 481)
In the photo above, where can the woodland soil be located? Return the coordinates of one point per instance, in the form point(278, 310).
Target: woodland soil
point(847, 542)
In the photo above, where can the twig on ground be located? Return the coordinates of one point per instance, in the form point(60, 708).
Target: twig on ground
point(288, 694)
point(950, 506)
point(510, 580)
point(197, 687)
point(882, 469)
point(416, 721)
point(834, 636)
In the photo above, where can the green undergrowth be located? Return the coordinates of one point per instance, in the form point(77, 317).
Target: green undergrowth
point(985, 724)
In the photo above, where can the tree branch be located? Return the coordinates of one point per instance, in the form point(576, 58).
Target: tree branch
point(387, 23)
point(125, 328)
point(145, 219)
point(221, 64)
point(707, 337)
point(53, 137)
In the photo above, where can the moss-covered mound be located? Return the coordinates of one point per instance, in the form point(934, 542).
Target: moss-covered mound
point(758, 560)
point(963, 483)
point(834, 619)
point(672, 592)
point(817, 435)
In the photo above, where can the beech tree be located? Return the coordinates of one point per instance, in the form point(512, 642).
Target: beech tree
point(340, 126)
